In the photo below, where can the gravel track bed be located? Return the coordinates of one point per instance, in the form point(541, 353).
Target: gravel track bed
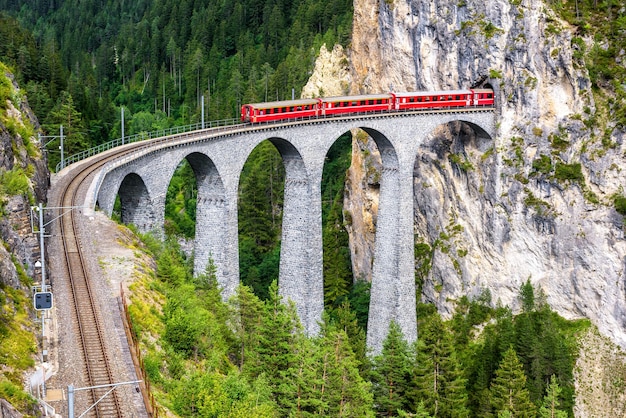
point(98, 241)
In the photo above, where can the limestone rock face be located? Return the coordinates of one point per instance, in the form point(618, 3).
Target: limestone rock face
point(15, 228)
point(331, 76)
point(494, 219)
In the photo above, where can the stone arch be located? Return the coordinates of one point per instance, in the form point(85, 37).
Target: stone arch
point(453, 166)
point(392, 294)
point(136, 207)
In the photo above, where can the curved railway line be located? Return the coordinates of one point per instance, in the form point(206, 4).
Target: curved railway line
point(70, 191)
point(92, 341)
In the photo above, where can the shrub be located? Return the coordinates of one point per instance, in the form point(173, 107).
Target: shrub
point(569, 172)
point(495, 73)
point(543, 164)
point(620, 204)
point(14, 182)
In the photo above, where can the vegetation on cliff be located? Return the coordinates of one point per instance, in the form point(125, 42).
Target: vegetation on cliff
point(17, 340)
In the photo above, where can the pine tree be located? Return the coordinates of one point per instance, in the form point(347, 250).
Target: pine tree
point(348, 395)
point(391, 374)
point(508, 391)
point(276, 352)
point(246, 316)
point(74, 132)
point(551, 402)
point(439, 382)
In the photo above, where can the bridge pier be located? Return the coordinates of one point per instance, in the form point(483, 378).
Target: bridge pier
point(392, 295)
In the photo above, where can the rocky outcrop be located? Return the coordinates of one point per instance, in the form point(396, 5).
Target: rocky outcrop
point(7, 410)
point(15, 152)
point(331, 76)
point(493, 216)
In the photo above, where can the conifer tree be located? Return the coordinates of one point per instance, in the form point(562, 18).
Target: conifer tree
point(347, 321)
point(246, 316)
point(439, 382)
point(551, 402)
point(276, 353)
point(348, 394)
point(391, 374)
point(508, 392)
point(74, 132)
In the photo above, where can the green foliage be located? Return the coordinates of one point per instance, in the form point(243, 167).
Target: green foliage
point(508, 392)
point(391, 374)
point(543, 164)
point(17, 345)
point(527, 296)
point(338, 276)
point(65, 113)
point(14, 182)
point(438, 379)
point(17, 397)
point(180, 202)
point(619, 201)
point(260, 217)
point(489, 29)
point(493, 73)
point(571, 172)
point(558, 142)
point(550, 406)
point(250, 358)
point(6, 87)
point(423, 254)
point(461, 161)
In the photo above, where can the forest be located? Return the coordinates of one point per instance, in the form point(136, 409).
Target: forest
point(249, 357)
point(80, 62)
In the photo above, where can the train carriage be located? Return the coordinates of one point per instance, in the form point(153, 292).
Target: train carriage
point(355, 104)
point(482, 97)
point(281, 110)
point(432, 99)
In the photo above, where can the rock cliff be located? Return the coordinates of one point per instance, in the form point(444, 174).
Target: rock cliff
point(534, 203)
point(20, 157)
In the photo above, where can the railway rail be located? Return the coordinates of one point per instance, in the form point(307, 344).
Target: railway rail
point(89, 328)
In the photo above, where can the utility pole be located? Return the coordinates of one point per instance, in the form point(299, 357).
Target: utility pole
point(52, 138)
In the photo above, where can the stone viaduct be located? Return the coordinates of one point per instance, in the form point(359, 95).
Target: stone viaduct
point(217, 158)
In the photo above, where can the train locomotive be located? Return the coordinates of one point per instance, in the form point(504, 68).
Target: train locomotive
point(363, 104)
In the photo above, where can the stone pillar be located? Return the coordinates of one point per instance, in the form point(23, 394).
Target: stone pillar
point(393, 278)
point(301, 248)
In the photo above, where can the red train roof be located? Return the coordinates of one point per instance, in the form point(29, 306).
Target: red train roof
point(432, 93)
point(356, 98)
point(283, 103)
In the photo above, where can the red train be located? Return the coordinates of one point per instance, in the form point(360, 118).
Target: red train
point(376, 103)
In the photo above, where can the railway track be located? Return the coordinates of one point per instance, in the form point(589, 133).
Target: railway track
point(98, 370)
